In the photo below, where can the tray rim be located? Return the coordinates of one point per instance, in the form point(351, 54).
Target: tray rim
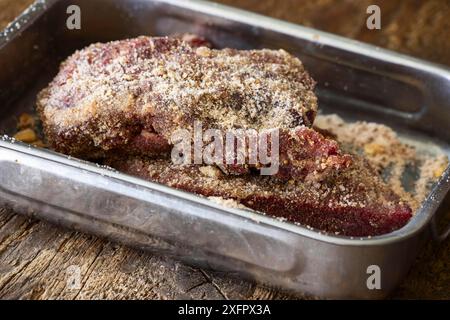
point(417, 223)
point(37, 8)
point(411, 229)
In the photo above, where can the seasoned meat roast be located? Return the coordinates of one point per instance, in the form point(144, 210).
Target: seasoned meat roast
point(130, 96)
point(122, 102)
point(354, 203)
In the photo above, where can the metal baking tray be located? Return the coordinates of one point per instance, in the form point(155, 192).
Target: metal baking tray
point(356, 81)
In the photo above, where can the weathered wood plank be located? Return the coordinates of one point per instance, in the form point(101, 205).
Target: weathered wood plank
point(35, 260)
point(9, 9)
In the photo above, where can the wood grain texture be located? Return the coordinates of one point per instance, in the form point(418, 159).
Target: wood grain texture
point(415, 27)
point(35, 256)
point(9, 9)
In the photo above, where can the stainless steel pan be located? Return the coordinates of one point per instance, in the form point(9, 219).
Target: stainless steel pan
point(356, 81)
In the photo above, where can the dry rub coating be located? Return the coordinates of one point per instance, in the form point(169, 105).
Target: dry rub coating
point(303, 154)
point(354, 203)
point(123, 100)
point(129, 96)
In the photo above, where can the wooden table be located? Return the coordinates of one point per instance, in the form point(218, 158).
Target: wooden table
point(37, 260)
